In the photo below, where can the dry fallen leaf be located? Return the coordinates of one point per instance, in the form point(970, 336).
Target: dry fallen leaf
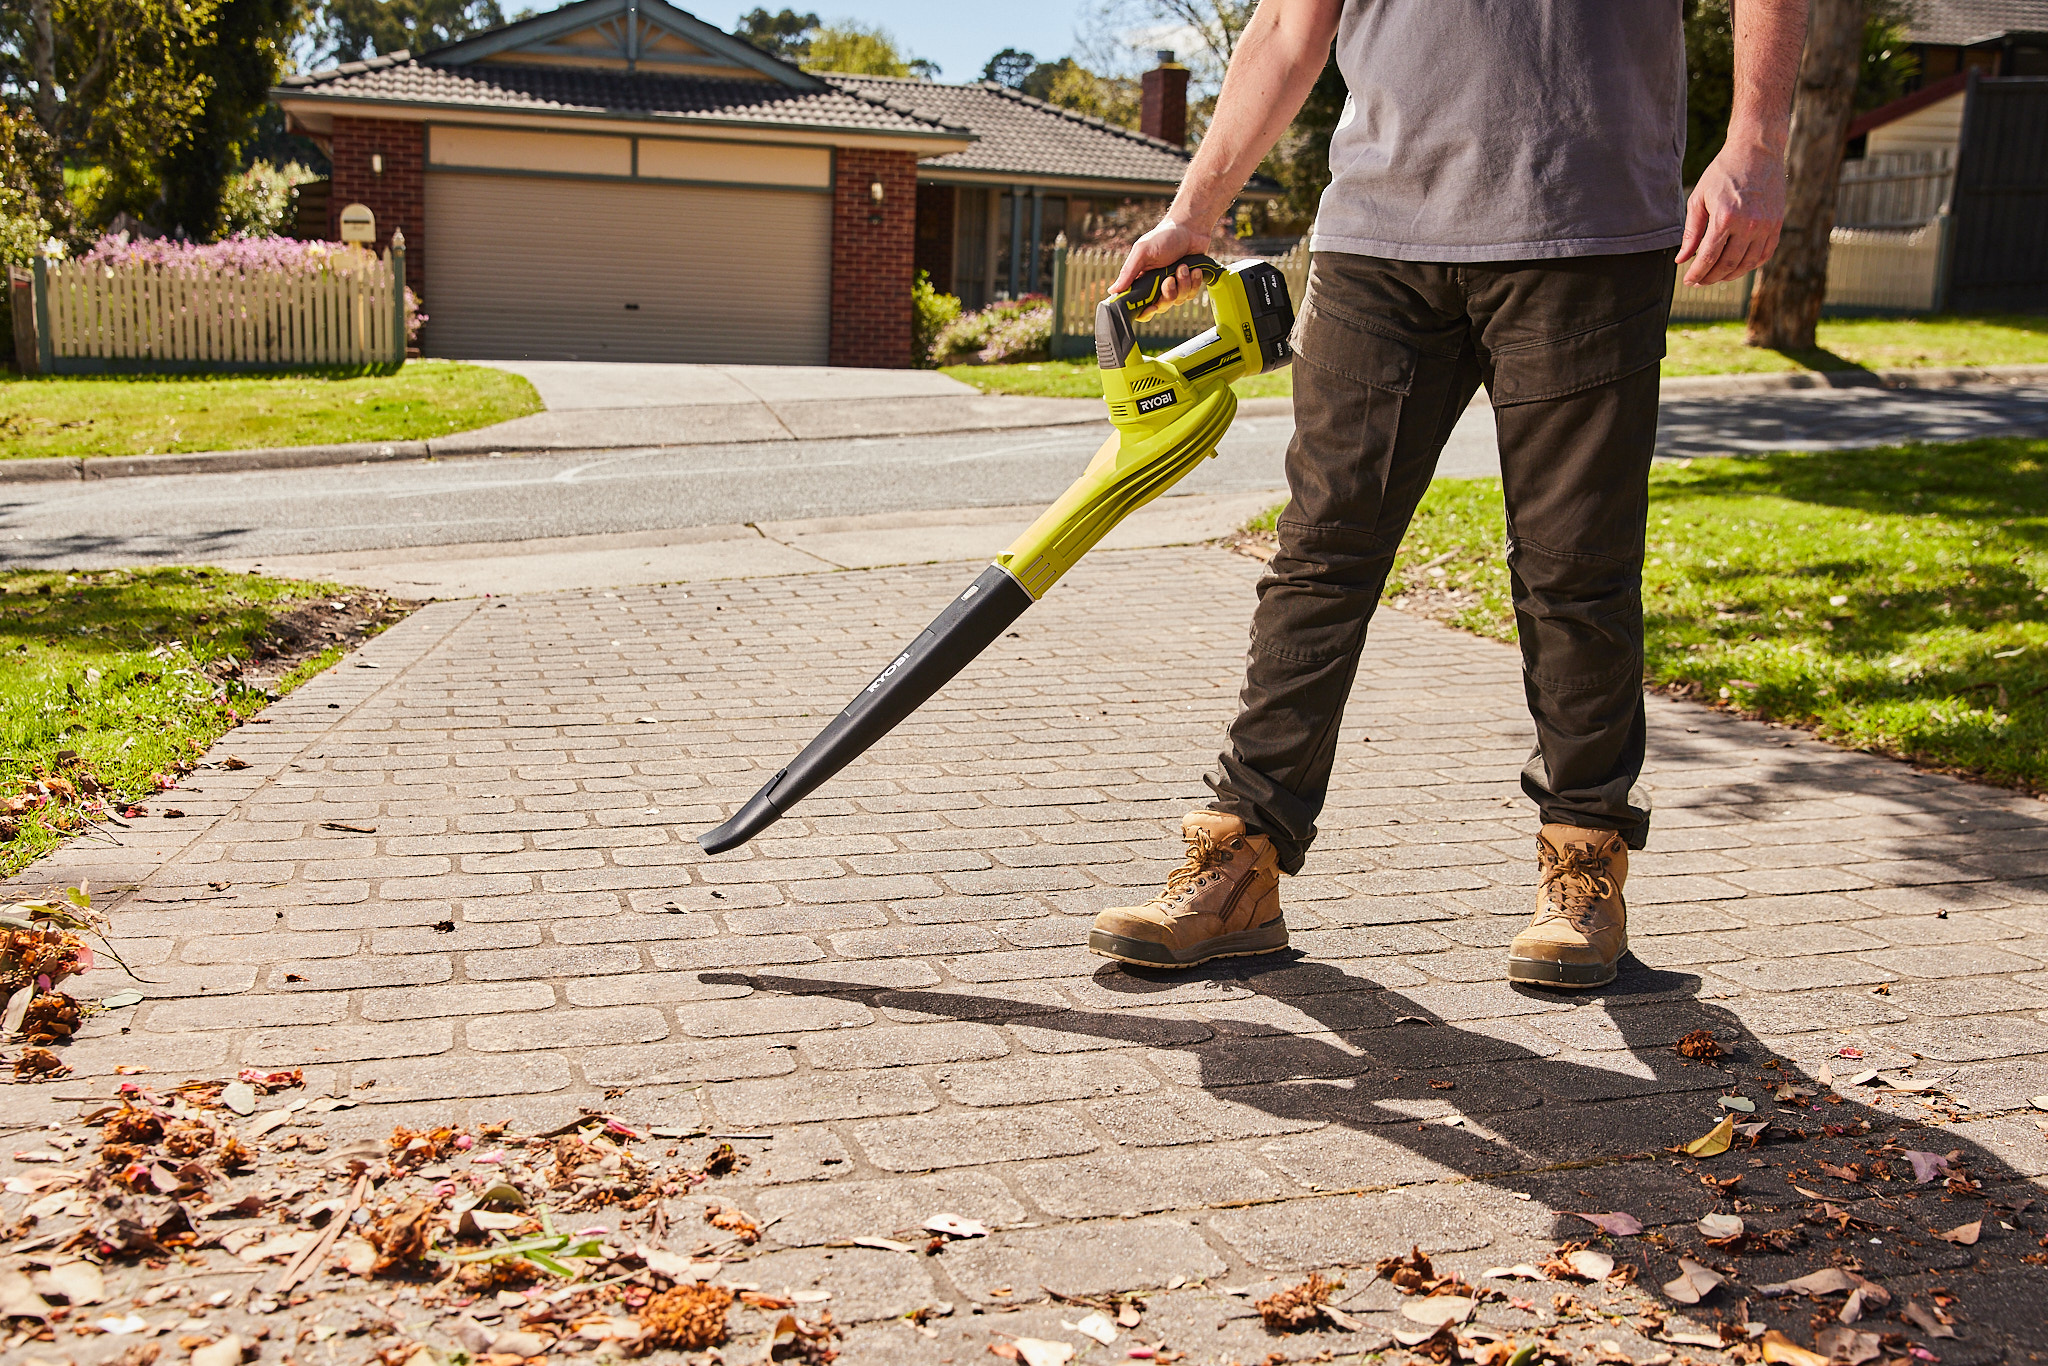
point(18, 1299)
point(1096, 1325)
point(1621, 1225)
point(80, 1283)
point(1849, 1347)
point(355, 1255)
point(1694, 1339)
point(1926, 1166)
point(1039, 1352)
point(1830, 1280)
point(1438, 1310)
point(954, 1226)
point(1965, 1234)
point(1520, 1271)
point(1715, 1141)
point(1594, 1265)
point(1721, 1226)
point(1926, 1322)
point(226, 1352)
point(1694, 1283)
point(1779, 1348)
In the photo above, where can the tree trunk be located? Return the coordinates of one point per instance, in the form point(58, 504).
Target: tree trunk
point(1793, 284)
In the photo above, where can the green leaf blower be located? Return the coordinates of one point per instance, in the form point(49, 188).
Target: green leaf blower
point(1169, 412)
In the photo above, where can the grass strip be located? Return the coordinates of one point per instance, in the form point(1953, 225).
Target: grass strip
point(112, 684)
point(1891, 600)
point(1694, 349)
point(73, 417)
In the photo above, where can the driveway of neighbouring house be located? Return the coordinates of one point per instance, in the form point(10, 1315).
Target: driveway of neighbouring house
point(596, 405)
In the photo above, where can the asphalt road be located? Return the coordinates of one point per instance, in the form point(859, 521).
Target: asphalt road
point(366, 507)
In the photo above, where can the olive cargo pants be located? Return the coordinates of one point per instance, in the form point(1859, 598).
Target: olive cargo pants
point(1387, 355)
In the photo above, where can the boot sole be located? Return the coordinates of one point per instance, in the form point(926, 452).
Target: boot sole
point(1544, 972)
point(1243, 944)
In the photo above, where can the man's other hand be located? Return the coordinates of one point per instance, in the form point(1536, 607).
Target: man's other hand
point(1734, 215)
point(1163, 246)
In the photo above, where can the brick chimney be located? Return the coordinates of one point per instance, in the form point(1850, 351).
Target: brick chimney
point(1163, 110)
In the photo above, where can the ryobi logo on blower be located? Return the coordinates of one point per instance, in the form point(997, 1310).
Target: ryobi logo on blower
point(1154, 402)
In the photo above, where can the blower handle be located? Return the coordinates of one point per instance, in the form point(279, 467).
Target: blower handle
point(1115, 338)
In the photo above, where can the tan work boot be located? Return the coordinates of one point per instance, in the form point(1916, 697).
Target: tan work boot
point(1224, 902)
point(1580, 930)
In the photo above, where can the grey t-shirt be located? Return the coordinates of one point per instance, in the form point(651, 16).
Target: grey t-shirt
point(1502, 130)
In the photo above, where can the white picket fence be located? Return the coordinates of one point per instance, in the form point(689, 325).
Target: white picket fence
point(1082, 277)
point(94, 317)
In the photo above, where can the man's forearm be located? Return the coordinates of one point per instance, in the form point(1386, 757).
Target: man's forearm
point(1275, 65)
point(1769, 36)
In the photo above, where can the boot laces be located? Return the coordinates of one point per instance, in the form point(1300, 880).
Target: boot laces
point(1205, 854)
point(1576, 879)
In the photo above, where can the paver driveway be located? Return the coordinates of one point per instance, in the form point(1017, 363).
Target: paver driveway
point(458, 878)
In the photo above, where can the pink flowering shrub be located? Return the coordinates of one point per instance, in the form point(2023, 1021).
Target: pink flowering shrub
point(248, 256)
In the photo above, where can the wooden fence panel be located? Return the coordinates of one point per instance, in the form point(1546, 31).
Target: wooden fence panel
point(1895, 189)
point(189, 315)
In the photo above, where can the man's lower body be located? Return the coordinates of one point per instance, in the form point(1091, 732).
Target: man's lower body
point(1388, 355)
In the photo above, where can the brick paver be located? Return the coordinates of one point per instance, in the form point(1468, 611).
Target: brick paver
point(458, 879)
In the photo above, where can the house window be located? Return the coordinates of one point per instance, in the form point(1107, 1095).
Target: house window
point(971, 265)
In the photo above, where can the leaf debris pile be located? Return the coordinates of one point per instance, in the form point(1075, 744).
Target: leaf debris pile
point(182, 1191)
point(1298, 1306)
point(690, 1317)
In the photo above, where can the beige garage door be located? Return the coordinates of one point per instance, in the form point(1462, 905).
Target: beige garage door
point(530, 268)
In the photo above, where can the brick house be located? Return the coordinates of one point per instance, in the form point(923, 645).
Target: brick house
point(617, 180)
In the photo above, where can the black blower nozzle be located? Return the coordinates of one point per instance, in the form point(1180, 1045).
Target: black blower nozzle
point(968, 625)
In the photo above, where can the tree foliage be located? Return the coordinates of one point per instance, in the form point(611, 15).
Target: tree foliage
point(787, 34)
point(243, 53)
point(351, 30)
point(851, 47)
point(1067, 83)
point(111, 83)
point(859, 50)
point(1113, 99)
point(1011, 67)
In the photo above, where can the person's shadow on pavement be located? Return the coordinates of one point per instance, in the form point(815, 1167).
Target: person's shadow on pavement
point(1449, 1102)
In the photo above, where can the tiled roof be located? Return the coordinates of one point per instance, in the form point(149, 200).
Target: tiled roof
point(1019, 135)
point(1949, 23)
point(402, 78)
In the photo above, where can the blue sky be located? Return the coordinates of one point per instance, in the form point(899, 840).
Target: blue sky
point(960, 35)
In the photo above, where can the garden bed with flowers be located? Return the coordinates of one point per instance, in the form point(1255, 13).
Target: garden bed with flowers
point(113, 684)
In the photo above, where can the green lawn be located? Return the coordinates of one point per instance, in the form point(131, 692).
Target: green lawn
point(1892, 600)
point(148, 415)
point(111, 684)
point(1694, 349)
point(1864, 343)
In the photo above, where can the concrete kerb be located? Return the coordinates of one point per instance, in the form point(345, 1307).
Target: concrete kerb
point(974, 417)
